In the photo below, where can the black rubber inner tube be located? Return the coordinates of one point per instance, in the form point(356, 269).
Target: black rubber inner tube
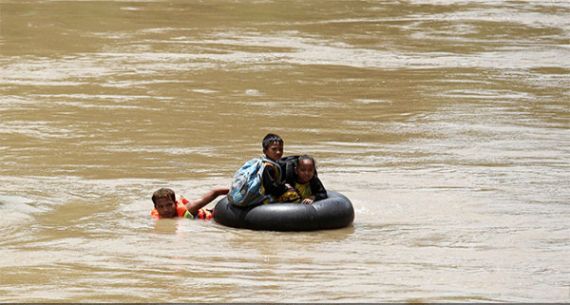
point(332, 213)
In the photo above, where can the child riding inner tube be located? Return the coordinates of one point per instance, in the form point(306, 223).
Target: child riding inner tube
point(334, 212)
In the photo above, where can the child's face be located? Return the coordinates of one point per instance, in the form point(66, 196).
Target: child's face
point(274, 151)
point(305, 171)
point(166, 207)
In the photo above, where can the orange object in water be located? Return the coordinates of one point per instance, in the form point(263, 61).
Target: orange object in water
point(205, 214)
point(181, 211)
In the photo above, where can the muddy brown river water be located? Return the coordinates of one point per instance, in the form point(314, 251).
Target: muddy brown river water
point(447, 123)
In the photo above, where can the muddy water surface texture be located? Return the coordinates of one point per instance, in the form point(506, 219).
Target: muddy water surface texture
point(447, 123)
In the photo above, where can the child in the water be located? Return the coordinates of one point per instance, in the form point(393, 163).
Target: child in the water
point(166, 205)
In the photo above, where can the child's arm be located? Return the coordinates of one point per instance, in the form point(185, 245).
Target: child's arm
point(318, 189)
point(194, 205)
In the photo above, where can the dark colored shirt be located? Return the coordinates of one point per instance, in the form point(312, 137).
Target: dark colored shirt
point(272, 181)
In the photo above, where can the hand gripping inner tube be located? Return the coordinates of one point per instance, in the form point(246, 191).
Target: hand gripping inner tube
point(332, 213)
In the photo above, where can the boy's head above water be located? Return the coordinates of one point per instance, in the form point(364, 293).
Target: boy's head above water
point(164, 201)
point(272, 146)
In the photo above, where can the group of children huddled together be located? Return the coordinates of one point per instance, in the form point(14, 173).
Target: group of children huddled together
point(281, 184)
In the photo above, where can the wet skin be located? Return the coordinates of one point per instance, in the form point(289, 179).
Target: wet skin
point(274, 151)
point(305, 171)
point(166, 207)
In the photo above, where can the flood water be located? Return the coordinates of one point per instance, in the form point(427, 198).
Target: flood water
point(447, 123)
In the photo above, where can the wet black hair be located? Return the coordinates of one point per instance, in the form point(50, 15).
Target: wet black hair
point(163, 193)
point(271, 138)
point(306, 157)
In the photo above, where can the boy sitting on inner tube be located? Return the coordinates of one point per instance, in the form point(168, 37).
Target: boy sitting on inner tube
point(272, 180)
point(308, 188)
point(166, 205)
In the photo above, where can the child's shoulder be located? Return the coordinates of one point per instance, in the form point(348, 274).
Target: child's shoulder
point(182, 200)
point(288, 167)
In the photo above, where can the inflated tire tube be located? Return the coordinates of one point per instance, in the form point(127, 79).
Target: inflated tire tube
point(332, 213)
